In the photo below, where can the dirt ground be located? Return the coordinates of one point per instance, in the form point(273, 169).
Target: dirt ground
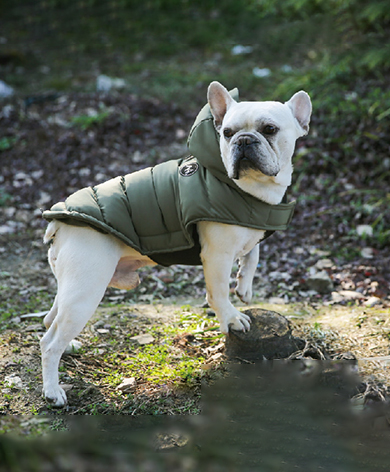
point(331, 332)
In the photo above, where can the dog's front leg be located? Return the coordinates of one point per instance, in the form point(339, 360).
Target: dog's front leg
point(218, 254)
point(248, 265)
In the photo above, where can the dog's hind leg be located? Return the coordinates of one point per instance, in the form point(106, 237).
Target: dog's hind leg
point(48, 320)
point(84, 268)
point(248, 264)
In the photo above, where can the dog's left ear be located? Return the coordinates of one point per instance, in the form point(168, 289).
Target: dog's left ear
point(300, 105)
point(220, 101)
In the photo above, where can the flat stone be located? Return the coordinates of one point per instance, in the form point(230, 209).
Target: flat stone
point(34, 327)
point(367, 252)
point(127, 385)
point(13, 381)
point(324, 264)
point(276, 275)
point(142, 339)
point(372, 301)
point(102, 330)
point(277, 301)
point(270, 337)
point(320, 282)
point(364, 230)
point(351, 294)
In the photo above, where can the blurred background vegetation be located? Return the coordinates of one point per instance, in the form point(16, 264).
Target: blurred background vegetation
point(336, 50)
point(172, 48)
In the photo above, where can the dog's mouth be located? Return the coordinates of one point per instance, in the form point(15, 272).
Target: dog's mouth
point(241, 167)
point(243, 164)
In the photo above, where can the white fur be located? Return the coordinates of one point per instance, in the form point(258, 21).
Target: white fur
point(85, 261)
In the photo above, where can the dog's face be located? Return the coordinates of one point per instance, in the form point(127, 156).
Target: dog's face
point(257, 139)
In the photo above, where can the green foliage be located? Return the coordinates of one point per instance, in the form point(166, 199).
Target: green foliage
point(87, 121)
point(7, 142)
point(362, 25)
point(5, 197)
point(163, 361)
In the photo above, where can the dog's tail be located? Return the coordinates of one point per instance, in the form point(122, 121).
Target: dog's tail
point(51, 231)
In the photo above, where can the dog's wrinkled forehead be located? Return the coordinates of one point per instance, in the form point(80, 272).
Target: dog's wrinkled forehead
point(248, 115)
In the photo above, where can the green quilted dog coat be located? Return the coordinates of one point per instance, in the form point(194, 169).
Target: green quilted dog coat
point(155, 210)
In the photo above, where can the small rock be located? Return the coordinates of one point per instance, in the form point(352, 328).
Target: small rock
point(277, 301)
point(324, 264)
point(142, 339)
point(13, 381)
point(336, 297)
point(216, 357)
point(34, 327)
point(180, 133)
point(98, 324)
point(313, 250)
point(367, 252)
point(286, 68)
point(320, 282)
point(275, 275)
point(127, 385)
point(372, 301)
point(351, 294)
point(7, 229)
point(5, 90)
point(364, 230)
point(103, 331)
point(261, 72)
point(7, 110)
point(238, 50)
point(307, 293)
point(73, 347)
point(105, 83)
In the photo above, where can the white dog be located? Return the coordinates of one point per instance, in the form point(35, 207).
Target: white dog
point(257, 141)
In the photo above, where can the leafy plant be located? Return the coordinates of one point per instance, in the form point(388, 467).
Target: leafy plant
point(7, 142)
point(87, 121)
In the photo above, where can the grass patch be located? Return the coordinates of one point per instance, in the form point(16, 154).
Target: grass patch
point(87, 121)
point(175, 358)
point(12, 304)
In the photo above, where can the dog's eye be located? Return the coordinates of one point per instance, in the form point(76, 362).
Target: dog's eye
point(270, 129)
point(228, 133)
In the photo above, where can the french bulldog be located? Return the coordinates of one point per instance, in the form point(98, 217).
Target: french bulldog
point(257, 141)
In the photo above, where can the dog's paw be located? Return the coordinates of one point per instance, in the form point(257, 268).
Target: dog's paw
point(244, 295)
point(55, 396)
point(244, 288)
point(237, 321)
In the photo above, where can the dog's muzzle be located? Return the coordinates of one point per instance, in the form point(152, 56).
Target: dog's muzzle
point(247, 155)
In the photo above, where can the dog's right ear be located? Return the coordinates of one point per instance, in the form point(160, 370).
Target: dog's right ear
point(220, 101)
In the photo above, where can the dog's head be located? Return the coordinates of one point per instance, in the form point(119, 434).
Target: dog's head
point(258, 138)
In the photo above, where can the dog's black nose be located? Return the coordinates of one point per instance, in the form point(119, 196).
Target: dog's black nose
point(246, 140)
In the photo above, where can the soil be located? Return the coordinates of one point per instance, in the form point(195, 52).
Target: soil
point(51, 154)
